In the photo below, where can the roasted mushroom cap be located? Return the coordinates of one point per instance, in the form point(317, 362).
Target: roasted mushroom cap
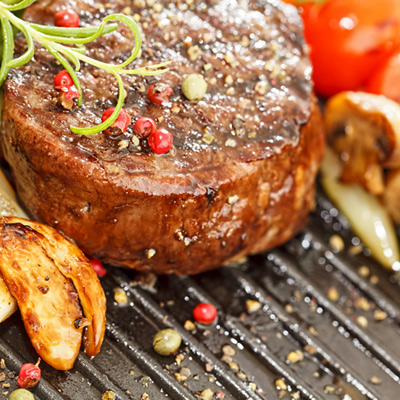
point(51, 279)
point(74, 265)
point(364, 129)
point(368, 218)
point(48, 302)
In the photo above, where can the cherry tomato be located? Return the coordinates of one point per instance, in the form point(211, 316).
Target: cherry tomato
point(349, 39)
point(386, 80)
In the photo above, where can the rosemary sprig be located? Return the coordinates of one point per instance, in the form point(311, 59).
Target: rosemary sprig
point(68, 44)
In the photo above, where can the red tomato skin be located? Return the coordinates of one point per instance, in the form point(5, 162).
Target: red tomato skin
point(348, 40)
point(386, 79)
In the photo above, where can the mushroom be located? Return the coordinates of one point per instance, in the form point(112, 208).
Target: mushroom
point(369, 219)
point(47, 301)
point(364, 129)
point(56, 289)
point(74, 265)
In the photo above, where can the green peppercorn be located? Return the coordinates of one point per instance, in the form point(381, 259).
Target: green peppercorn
point(194, 87)
point(166, 342)
point(21, 394)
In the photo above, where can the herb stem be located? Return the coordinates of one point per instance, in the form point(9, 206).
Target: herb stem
point(56, 39)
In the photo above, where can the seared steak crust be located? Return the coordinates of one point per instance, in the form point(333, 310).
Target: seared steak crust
point(239, 178)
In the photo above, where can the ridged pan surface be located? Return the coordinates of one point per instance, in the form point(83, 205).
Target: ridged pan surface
point(310, 320)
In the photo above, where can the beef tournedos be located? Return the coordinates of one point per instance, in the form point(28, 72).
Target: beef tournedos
point(239, 178)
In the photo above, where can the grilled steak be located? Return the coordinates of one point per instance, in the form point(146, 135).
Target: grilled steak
point(240, 176)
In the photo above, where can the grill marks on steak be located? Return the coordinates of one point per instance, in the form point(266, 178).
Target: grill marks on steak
point(132, 208)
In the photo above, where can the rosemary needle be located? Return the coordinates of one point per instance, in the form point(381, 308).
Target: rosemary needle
point(69, 44)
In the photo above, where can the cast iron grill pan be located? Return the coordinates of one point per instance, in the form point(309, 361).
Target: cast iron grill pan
point(314, 299)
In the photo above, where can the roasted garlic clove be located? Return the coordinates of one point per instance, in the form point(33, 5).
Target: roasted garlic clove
point(391, 195)
point(8, 199)
point(7, 190)
point(367, 216)
point(73, 264)
point(364, 129)
point(47, 300)
point(8, 206)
